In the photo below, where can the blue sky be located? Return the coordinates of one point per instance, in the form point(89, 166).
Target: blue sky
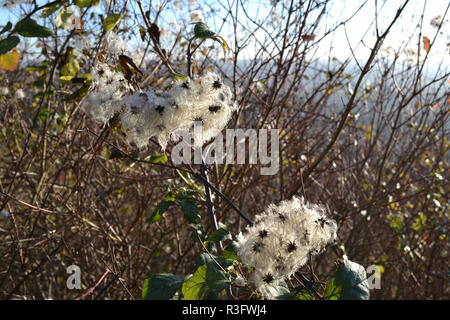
point(344, 40)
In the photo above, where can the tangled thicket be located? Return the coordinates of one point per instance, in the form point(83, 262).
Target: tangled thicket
point(369, 143)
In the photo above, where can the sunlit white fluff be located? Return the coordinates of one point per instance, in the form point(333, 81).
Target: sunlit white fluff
point(108, 88)
point(206, 102)
point(19, 94)
point(279, 242)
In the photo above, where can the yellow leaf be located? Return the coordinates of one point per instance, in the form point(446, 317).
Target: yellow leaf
point(9, 61)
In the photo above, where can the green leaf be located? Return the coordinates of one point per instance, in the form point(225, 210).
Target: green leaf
point(42, 67)
point(203, 259)
point(348, 283)
point(207, 258)
point(78, 94)
point(112, 20)
point(184, 193)
point(43, 114)
point(8, 43)
point(86, 3)
point(201, 31)
point(230, 252)
point(158, 158)
point(48, 11)
point(305, 296)
point(295, 295)
point(170, 196)
point(30, 28)
point(162, 286)
point(71, 67)
point(179, 76)
point(190, 211)
point(6, 28)
point(206, 280)
point(162, 207)
point(280, 288)
point(40, 82)
point(66, 79)
point(219, 235)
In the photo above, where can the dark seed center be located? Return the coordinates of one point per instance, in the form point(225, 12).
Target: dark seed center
point(263, 234)
point(160, 109)
point(217, 84)
point(291, 247)
point(214, 108)
point(268, 278)
point(257, 247)
point(282, 217)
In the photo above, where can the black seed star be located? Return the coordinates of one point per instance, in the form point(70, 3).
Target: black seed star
point(143, 96)
point(282, 217)
point(321, 222)
point(268, 278)
point(217, 84)
point(291, 247)
point(263, 234)
point(257, 247)
point(135, 109)
point(160, 109)
point(214, 108)
point(199, 119)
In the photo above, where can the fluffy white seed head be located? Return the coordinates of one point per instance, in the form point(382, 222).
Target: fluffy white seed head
point(19, 94)
point(4, 91)
point(206, 101)
point(108, 89)
point(279, 242)
point(148, 114)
